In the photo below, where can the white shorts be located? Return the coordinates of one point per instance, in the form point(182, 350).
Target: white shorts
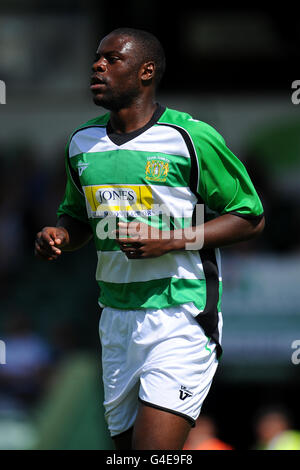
point(161, 357)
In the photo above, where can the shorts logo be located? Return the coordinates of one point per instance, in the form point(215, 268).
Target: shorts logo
point(157, 169)
point(184, 393)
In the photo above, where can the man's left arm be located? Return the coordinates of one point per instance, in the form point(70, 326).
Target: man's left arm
point(222, 231)
point(224, 187)
point(139, 240)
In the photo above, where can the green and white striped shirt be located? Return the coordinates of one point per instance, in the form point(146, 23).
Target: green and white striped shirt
point(173, 160)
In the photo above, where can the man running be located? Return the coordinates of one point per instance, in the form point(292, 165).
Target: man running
point(160, 289)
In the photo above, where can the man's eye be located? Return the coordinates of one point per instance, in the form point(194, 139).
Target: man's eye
point(113, 59)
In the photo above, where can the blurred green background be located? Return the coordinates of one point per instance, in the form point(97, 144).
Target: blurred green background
point(230, 67)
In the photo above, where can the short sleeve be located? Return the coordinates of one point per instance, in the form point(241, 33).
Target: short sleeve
point(224, 184)
point(73, 202)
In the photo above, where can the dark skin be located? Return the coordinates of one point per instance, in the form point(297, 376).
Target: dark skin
point(127, 88)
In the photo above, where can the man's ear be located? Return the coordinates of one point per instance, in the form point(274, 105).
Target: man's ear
point(147, 72)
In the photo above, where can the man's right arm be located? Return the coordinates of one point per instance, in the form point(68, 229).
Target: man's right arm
point(70, 234)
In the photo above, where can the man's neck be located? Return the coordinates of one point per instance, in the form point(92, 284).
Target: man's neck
point(132, 118)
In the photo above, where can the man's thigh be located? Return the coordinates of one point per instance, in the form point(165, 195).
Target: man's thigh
point(156, 429)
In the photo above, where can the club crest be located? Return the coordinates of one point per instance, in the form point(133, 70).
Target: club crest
point(157, 169)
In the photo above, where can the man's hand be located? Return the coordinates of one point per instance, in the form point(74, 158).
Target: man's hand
point(49, 241)
point(139, 240)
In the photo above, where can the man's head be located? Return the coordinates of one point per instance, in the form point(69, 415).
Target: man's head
point(129, 63)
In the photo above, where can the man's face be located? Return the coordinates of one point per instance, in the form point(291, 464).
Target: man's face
point(115, 80)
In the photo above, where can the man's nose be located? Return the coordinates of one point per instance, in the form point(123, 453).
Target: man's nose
point(99, 65)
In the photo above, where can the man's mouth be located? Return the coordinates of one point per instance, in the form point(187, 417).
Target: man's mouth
point(97, 82)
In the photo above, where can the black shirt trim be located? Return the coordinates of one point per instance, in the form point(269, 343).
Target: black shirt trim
point(120, 139)
point(209, 317)
point(255, 218)
point(194, 173)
